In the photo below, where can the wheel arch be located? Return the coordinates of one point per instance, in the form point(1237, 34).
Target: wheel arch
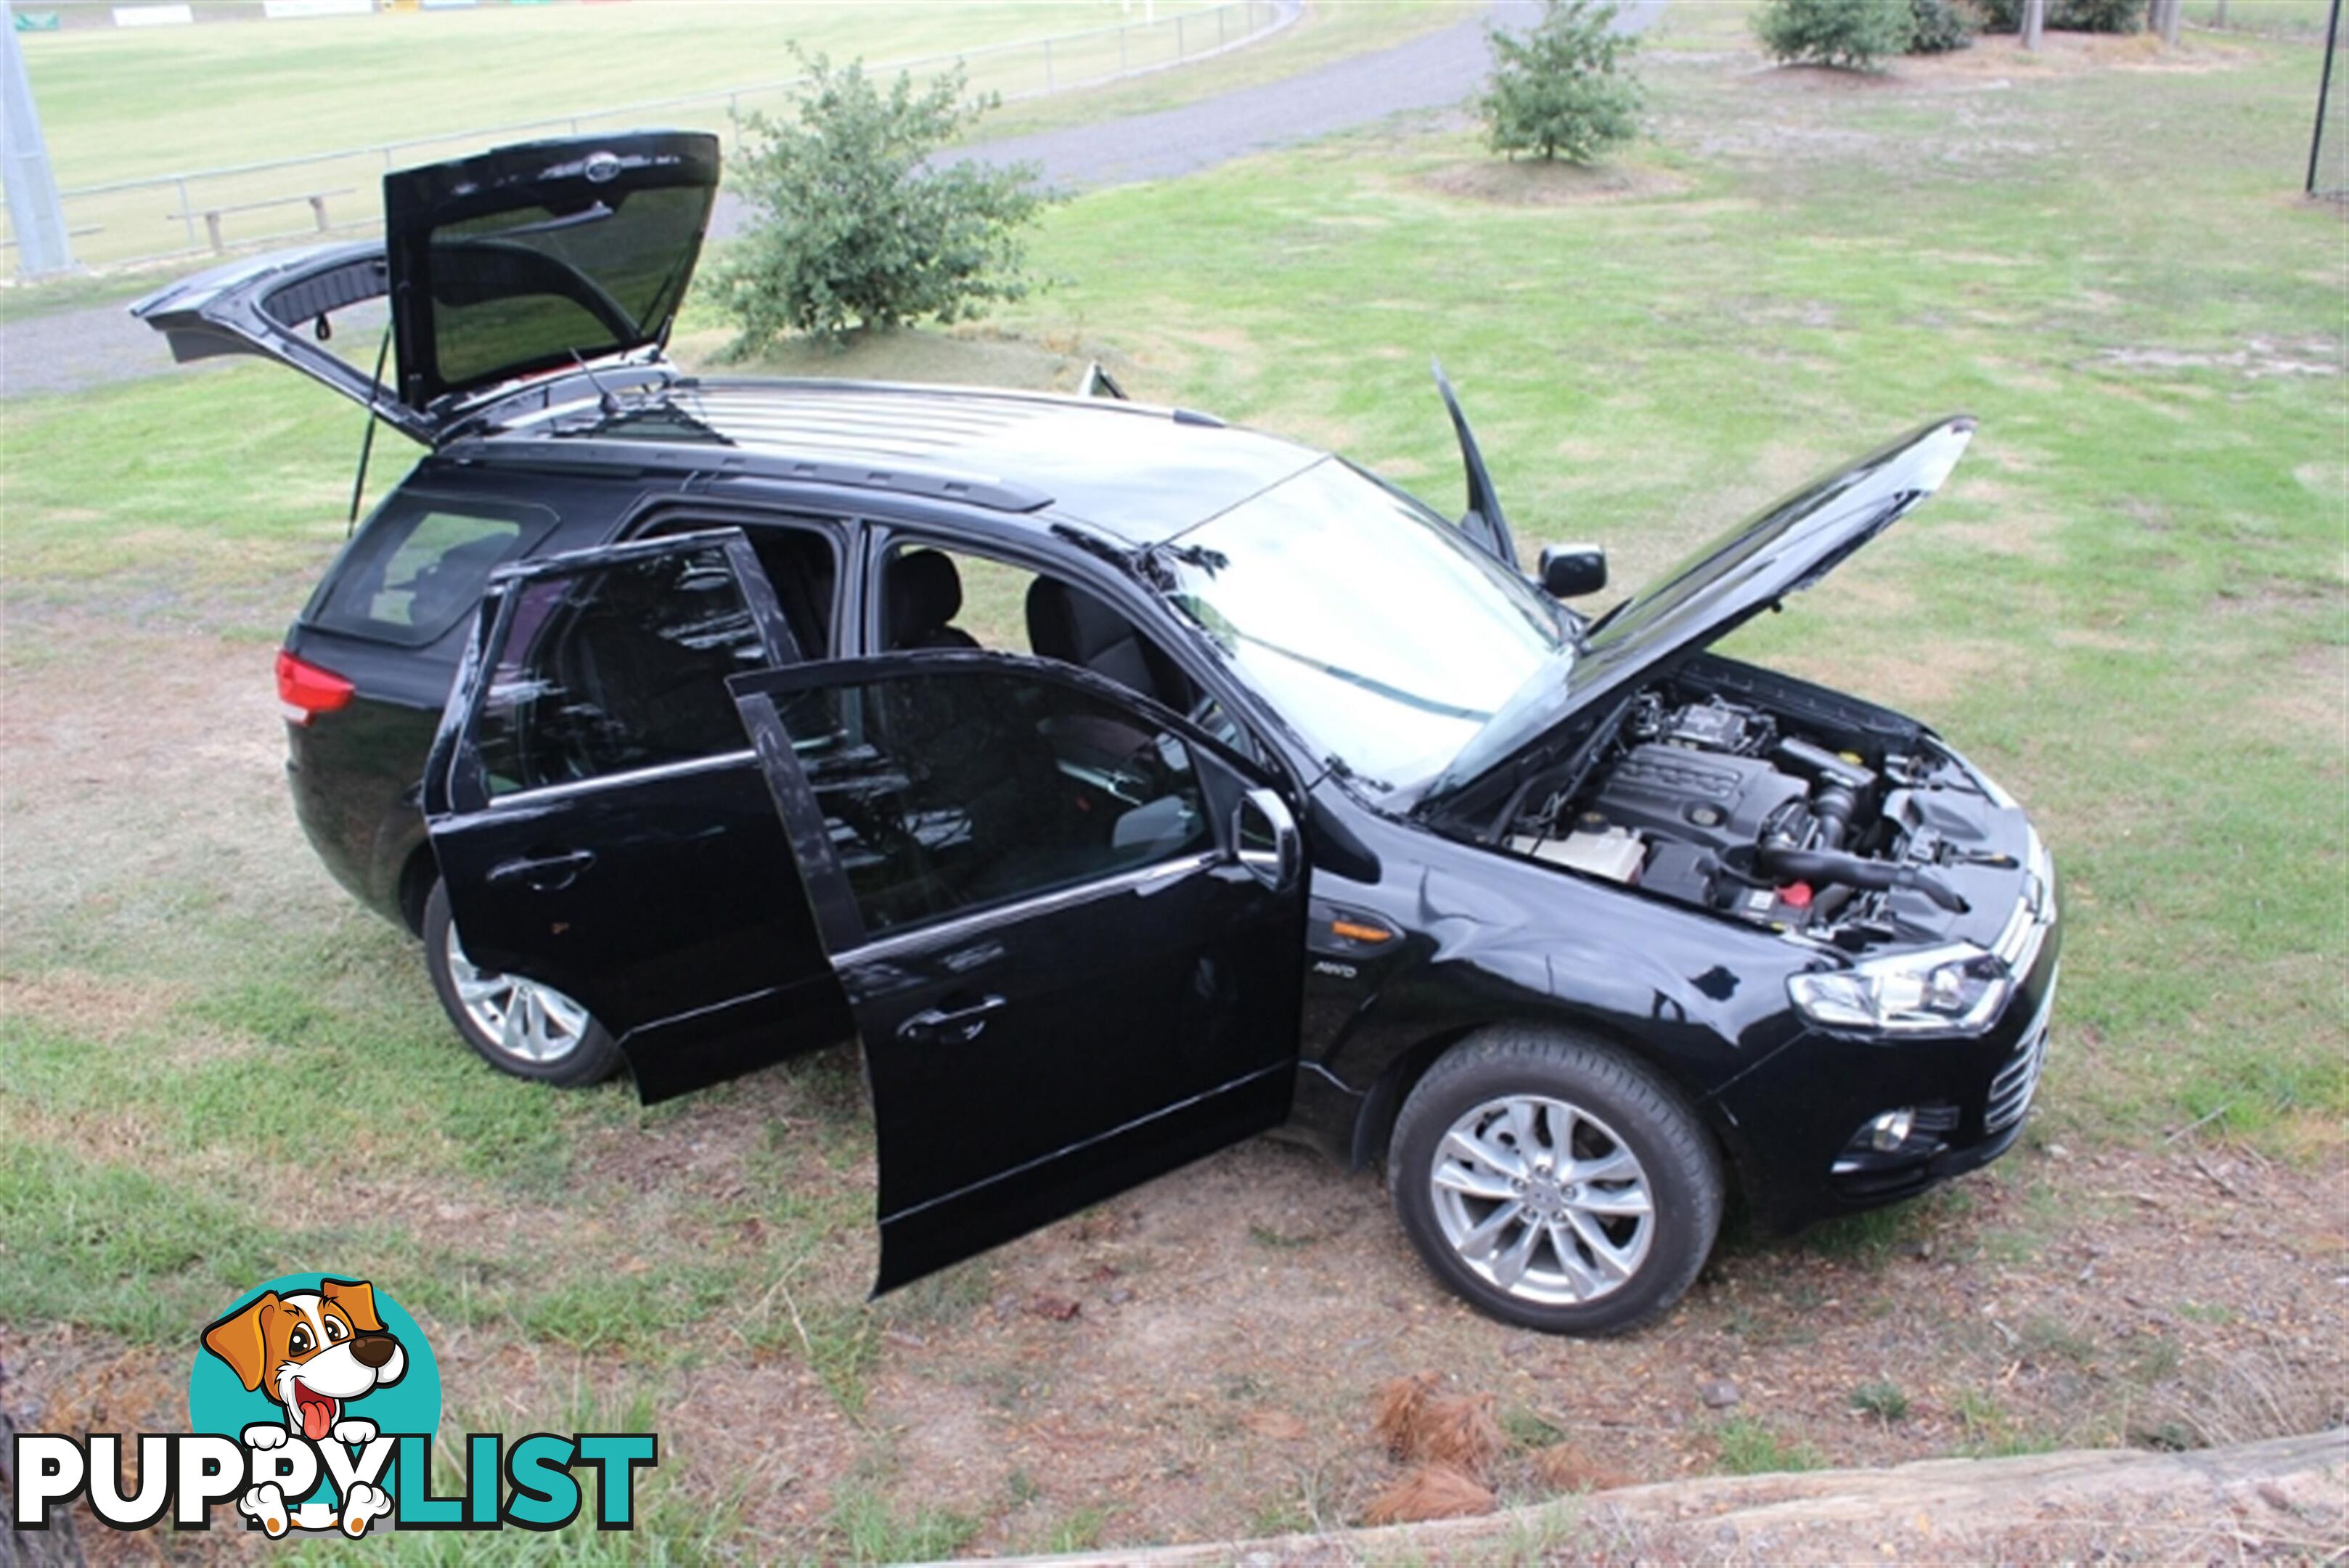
point(1375, 1121)
point(417, 874)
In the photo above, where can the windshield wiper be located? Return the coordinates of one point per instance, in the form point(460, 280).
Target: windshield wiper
point(1368, 683)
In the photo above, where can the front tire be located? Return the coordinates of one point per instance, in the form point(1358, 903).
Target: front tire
point(517, 1026)
point(1552, 1183)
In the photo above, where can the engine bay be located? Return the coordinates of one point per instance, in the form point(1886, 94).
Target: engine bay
point(1787, 816)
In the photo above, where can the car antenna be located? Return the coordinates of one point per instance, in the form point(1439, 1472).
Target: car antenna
point(367, 441)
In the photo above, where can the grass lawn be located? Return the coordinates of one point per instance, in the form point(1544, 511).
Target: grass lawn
point(2129, 604)
point(227, 95)
point(210, 96)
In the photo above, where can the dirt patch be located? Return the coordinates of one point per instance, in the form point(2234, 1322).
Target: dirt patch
point(2040, 1305)
point(1533, 182)
point(2311, 695)
point(1997, 61)
point(971, 354)
point(99, 1009)
point(2257, 359)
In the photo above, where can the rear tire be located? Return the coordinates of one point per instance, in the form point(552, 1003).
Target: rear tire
point(1552, 1183)
point(517, 1026)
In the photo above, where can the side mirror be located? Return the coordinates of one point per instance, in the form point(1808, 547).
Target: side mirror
point(1264, 839)
point(1570, 571)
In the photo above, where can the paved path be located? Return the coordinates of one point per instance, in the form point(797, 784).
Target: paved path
point(89, 348)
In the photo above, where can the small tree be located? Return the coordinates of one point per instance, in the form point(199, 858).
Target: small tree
point(1856, 35)
point(1565, 89)
point(852, 227)
point(1938, 27)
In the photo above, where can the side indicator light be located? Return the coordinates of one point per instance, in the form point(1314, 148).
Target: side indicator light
point(1356, 931)
point(305, 690)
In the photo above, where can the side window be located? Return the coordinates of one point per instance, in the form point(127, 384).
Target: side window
point(938, 598)
point(946, 790)
point(801, 561)
point(935, 598)
point(618, 667)
point(419, 566)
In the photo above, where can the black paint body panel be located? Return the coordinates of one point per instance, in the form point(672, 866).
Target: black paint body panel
point(1480, 937)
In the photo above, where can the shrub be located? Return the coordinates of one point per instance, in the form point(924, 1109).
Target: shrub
point(2070, 16)
point(2097, 15)
point(1938, 27)
point(851, 228)
point(1565, 89)
point(1858, 35)
point(1882, 1398)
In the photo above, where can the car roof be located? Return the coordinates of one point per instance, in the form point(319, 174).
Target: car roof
point(1136, 473)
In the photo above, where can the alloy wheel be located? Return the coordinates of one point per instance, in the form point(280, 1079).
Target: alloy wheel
point(530, 1022)
point(1543, 1199)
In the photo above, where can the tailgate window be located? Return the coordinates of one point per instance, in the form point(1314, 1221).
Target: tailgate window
point(418, 567)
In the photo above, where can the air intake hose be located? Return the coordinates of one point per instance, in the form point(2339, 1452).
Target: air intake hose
point(1781, 857)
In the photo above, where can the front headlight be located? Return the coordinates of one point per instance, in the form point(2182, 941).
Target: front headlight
point(1954, 990)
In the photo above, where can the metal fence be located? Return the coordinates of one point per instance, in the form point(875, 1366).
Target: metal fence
point(202, 211)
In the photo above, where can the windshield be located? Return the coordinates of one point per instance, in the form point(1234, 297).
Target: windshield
point(1379, 633)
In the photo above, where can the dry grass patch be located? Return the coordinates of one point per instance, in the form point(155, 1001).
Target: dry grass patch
point(1534, 182)
point(101, 1009)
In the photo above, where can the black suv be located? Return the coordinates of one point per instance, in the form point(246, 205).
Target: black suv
point(1296, 803)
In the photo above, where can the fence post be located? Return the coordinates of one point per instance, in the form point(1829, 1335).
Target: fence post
point(187, 212)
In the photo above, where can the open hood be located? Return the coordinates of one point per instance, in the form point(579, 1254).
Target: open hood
point(524, 260)
point(1784, 548)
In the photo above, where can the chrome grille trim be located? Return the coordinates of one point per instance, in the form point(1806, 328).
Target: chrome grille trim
point(2011, 1090)
point(2018, 945)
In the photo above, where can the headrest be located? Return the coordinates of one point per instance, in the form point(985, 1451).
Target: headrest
point(925, 593)
point(1069, 624)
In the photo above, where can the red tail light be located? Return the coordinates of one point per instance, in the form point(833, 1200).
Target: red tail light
point(305, 690)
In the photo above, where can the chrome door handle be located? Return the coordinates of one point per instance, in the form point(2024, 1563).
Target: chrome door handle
point(546, 873)
point(959, 1026)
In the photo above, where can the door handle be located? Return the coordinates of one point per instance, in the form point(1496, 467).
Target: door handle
point(546, 873)
point(959, 1027)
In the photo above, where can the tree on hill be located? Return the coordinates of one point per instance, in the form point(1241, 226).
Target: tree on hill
point(1565, 89)
point(854, 226)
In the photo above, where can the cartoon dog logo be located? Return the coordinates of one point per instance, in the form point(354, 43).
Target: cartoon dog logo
point(315, 1352)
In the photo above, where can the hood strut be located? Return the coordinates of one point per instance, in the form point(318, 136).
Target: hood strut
point(1482, 521)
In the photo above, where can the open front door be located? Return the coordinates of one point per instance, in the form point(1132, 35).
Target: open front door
point(1070, 929)
point(601, 823)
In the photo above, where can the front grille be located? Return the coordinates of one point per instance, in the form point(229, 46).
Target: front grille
point(2011, 1091)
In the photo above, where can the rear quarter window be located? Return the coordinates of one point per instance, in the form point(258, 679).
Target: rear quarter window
point(418, 567)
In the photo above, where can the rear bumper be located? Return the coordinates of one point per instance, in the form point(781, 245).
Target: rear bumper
point(353, 776)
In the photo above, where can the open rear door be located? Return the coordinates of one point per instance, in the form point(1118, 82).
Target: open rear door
point(538, 256)
point(602, 825)
point(282, 306)
point(1070, 928)
point(526, 260)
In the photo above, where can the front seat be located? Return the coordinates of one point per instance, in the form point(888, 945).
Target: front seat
point(925, 593)
point(1074, 627)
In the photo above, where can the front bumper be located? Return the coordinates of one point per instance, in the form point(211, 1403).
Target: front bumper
point(1802, 1116)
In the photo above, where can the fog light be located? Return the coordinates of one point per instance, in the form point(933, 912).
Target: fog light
point(1888, 1132)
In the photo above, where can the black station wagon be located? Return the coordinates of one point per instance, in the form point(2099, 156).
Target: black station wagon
point(648, 701)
